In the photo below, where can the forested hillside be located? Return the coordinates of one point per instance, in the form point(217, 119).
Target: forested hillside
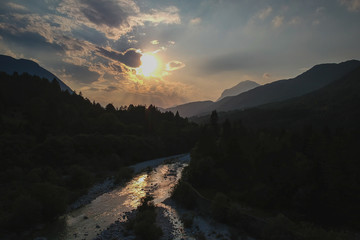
point(296, 161)
point(54, 145)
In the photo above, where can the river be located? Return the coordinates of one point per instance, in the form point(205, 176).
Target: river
point(90, 220)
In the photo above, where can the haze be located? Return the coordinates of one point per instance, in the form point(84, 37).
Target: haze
point(197, 48)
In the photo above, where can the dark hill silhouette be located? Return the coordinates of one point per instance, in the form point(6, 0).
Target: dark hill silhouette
point(11, 65)
point(238, 89)
point(194, 108)
point(191, 109)
point(311, 80)
point(335, 105)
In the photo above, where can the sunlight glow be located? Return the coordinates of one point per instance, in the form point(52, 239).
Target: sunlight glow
point(136, 190)
point(149, 64)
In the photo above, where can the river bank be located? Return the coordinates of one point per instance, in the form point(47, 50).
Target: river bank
point(109, 183)
point(107, 202)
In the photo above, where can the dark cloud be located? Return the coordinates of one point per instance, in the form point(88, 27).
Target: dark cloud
point(110, 88)
point(104, 12)
point(81, 74)
point(130, 57)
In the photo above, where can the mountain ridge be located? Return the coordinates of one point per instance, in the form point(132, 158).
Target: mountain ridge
point(238, 89)
point(336, 104)
point(10, 65)
point(315, 78)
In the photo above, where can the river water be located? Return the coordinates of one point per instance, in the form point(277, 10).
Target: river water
point(90, 220)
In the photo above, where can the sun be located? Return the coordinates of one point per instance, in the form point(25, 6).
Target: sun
point(149, 64)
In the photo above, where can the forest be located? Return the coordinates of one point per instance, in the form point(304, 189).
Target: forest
point(296, 178)
point(55, 145)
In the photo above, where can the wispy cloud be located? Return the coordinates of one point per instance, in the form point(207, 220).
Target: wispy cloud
point(115, 18)
point(155, 42)
point(264, 13)
point(351, 5)
point(277, 21)
point(266, 76)
point(295, 21)
point(195, 21)
point(16, 6)
point(174, 65)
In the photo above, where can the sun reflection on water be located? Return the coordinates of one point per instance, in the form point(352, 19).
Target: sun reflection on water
point(136, 189)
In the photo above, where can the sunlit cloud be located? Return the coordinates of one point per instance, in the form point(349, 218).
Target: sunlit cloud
point(16, 6)
point(266, 76)
point(174, 65)
point(295, 21)
point(351, 5)
point(264, 13)
point(168, 15)
point(277, 21)
point(130, 57)
point(195, 21)
point(115, 18)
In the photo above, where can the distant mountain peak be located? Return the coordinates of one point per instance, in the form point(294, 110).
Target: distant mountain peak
point(10, 65)
point(238, 89)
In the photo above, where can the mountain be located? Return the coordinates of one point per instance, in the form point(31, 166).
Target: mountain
point(11, 65)
point(194, 108)
point(239, 88)
point(311, 80)
point(191, 109)
point(337, 105)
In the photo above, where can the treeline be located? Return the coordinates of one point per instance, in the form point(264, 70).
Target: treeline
point(54, 145)
point(309, 175)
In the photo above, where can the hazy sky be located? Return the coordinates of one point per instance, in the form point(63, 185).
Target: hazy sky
point(190, 49)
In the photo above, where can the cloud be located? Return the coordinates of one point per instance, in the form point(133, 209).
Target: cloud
point(109, 13)
point(115, 18)
point(195, 21)
point(130, 57)
point(81, 74)
point(295, 21)
point(320, 10)
point(174, 65)
point(351, 5)
point(168, 15)
point(264, 13)
point(154, 42)
point(316, 22)
point(16, 6)
point(266, 76)
point(277, 21)
point(110, 88)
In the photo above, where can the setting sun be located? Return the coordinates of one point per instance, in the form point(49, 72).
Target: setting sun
point(149, 64)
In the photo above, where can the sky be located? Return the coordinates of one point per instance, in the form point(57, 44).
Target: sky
point(169, 52)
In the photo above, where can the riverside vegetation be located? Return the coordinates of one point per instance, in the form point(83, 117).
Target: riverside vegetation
point(54, 145)
point(275, 184)
point(285, 170)
point(289, 170)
